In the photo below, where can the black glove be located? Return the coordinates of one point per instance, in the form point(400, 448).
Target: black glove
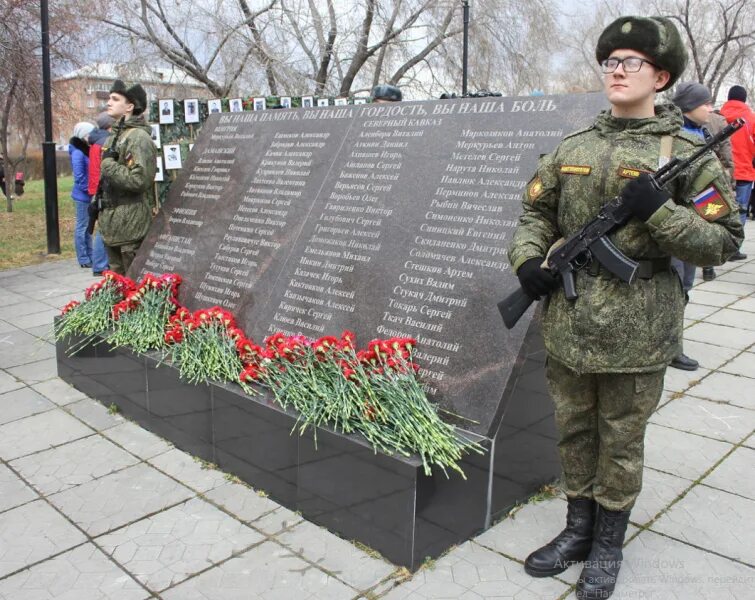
point(642, 198)
point(92, 210)
point(110, 153)
point(535, 280)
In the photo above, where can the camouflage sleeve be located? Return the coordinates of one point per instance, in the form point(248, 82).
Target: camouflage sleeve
point(538, 224)
point(135, 169)
point(702, 226)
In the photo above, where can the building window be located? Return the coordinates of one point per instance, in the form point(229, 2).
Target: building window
point(90, 103)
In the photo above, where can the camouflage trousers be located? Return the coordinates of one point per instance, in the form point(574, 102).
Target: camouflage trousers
point(601, 420)
point(121, 257)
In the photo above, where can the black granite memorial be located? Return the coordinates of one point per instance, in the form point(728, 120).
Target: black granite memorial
point(386, 220)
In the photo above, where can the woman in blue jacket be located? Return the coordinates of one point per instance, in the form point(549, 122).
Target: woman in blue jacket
point(78, 149)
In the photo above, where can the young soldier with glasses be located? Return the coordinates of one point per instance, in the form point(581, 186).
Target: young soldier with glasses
point(608, 349)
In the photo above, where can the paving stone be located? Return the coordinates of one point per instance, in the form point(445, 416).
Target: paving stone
point(22, 403)
point(137, 440)
point(275, 522)
point(17, 348)
point(9, 383)
point(188, 471)
point(734, 474)
point(31, 533)
point(683, 454)
point(679, 380)
point(659, 490)
point(712, 519)
point(119, 498)
point(746, 304)
point(43, 332)
point(736, 276)
point(339, 557)
point(38, 371)
point(526, 529)
point(708, 355)
point(243, 502)
point(83, 573)
point(8, 298)
point(58, 302)
point(27, 306)
point(695, 415)
point(268, 572)
point(473, 572)
point(731, 318)
point(13, 491)
point(725, 387)
point(721, 335)
point(743, 365)
point(698, 296)
point(39, 432)
point(174, 544)
point(720, 286)
point(72, 464)
point(94, 414)
point(698, 312)
point(44, 317)
point(656, 567)
point(58, 391)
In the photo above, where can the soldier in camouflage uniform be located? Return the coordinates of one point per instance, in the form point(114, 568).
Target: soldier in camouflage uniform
point(608, 349)
point(128, 172)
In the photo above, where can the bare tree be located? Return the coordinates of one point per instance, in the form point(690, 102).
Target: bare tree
point(720, 36)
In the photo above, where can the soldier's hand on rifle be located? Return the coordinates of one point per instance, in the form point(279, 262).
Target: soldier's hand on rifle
point(110, 153)
point(642, 198)
point(535, 280)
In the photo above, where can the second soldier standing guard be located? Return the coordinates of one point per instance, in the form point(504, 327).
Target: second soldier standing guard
point(608, 349)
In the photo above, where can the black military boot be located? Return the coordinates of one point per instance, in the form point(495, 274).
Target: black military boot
point(598, 577)
point(571, 545)
point(709, 273)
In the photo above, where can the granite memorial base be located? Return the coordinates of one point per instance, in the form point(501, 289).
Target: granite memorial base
point(337, 481)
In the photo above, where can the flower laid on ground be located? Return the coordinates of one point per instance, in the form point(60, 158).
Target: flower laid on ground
point(202, 344)
point(140, 320)
point(374, 392)
point(94, 315)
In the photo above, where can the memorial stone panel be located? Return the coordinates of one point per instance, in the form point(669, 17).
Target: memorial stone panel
point(386, 219)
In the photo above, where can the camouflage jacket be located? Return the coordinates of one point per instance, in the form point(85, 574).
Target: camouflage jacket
point(613, 326)
point(127, 185)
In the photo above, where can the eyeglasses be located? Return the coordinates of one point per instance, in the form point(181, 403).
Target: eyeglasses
point(631, 64)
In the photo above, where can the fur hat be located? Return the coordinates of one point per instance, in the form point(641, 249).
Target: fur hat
point(134, 94)
point(656, 37)
point(82, 129)
point(737, 92)
point(386, 92)
point(690, 94)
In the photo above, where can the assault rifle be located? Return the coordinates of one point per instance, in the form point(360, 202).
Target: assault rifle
point(95, 206)
point(567, 256)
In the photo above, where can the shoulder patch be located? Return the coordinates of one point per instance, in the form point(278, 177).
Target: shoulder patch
point(710, 204)
point(534, 189)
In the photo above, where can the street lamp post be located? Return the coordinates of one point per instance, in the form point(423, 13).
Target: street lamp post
point(48, 146)
point(465, 49)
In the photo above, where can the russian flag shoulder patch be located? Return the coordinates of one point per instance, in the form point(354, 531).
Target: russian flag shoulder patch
point(710, 205)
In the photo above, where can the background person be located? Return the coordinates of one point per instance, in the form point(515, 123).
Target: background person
point(128, 172)
point(78, 152)
point(607, 351)
point(742, 149)
point(96, 138)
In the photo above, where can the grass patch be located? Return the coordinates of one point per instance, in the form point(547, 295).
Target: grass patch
point(23, 232)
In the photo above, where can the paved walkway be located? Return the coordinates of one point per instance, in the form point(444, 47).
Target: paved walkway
point(93, 506)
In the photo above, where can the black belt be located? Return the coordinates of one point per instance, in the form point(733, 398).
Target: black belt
point(646, 269)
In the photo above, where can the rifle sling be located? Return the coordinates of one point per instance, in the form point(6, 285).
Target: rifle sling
point(646, 269)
